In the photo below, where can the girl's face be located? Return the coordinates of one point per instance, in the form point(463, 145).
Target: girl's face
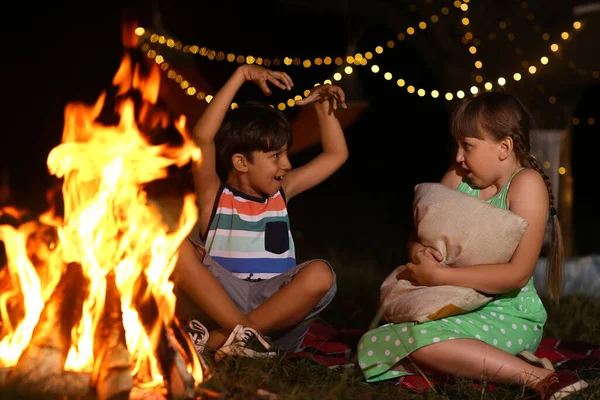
point(481, 159)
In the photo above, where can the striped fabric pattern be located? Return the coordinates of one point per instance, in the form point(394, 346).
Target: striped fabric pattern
point(251, 236)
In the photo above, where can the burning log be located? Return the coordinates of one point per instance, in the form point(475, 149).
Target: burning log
point(173, 359)
point(187, 348)
point(112, 374)
point(40, 367)
point(124, 310)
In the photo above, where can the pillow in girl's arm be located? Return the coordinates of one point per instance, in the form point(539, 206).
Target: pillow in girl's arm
point(466, 231)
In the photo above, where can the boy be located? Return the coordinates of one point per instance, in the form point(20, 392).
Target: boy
point(238, 268)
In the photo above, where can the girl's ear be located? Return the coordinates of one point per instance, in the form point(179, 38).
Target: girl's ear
point(239, 162)
point(506, 147)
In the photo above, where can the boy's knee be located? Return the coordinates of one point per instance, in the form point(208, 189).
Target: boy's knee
point(321, 276)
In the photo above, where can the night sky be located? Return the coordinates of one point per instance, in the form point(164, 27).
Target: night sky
point(62, 54)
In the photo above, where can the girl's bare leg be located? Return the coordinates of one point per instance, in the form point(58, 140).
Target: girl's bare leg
point(474, 359)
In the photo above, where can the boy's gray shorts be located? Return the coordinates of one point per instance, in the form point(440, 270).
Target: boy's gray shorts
point(248, 295)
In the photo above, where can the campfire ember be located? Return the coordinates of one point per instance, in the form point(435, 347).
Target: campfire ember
point(86, 302)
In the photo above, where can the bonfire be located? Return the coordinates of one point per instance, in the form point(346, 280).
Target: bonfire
point(87, 303)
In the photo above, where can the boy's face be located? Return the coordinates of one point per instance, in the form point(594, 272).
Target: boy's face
point(267, 170)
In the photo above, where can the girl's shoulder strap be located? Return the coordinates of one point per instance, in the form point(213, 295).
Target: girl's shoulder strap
point(512, 176)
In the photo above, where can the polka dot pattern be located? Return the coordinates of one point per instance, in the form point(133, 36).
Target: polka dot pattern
point(512, 322)
point(382, 351)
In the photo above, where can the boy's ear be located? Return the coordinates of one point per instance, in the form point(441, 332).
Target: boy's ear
point(239, 162)
point(506, 147)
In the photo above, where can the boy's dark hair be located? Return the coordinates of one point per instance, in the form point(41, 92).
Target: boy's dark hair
point(252, 126)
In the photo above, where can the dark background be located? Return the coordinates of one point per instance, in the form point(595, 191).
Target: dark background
point(57, 53)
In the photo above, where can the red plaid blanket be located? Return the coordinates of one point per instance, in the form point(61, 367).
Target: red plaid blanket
point(335, 348)
point(329, 346)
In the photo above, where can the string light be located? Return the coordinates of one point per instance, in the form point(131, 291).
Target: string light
point(191, 90)
point(555, 47)
point(544, 60)
point(503, 25)
point(469, 40)
point(411, 89)
point(589, 121)
point(358, 59)
point(154, 38)
point(474, 44)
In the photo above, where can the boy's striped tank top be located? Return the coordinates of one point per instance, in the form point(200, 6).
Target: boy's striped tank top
point(250, 236)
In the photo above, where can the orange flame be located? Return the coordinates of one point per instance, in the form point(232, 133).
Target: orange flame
point(108, 226)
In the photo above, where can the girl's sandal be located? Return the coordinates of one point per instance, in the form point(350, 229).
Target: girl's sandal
point(559, 384)
point(532, 358)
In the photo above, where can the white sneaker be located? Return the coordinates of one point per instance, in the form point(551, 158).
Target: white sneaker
point(246, 342)
point(198, 335)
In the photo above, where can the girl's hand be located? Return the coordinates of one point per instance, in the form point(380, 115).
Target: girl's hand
point(325, 94)
point(261, 75)
point(429, 251)
point(425, 271)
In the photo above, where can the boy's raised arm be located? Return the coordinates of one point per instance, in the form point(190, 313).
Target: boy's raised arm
point(206, 181)
point(326, 99)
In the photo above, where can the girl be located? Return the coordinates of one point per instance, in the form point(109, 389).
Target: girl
point(494, 163)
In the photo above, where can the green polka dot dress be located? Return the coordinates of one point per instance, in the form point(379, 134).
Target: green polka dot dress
point(512, 322)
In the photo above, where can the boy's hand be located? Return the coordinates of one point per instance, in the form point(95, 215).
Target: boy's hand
point(261, 76)
point(325, 94)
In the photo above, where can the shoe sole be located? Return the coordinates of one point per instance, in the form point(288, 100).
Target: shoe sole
point(248, 353)
point(569, 390)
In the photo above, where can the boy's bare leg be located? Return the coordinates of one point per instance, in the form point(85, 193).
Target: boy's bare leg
point(293, 302)
point(208, 294)
point(474, 359)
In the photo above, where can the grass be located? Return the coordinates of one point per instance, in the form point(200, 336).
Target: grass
point(575, 318)
point(305, 379)
point(359, 275)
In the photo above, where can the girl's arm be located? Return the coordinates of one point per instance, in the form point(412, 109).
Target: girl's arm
point(528, 198)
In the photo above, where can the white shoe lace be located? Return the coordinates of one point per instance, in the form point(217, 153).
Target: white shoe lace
point(244, 335)
point(197, 326)
point(198, 333)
